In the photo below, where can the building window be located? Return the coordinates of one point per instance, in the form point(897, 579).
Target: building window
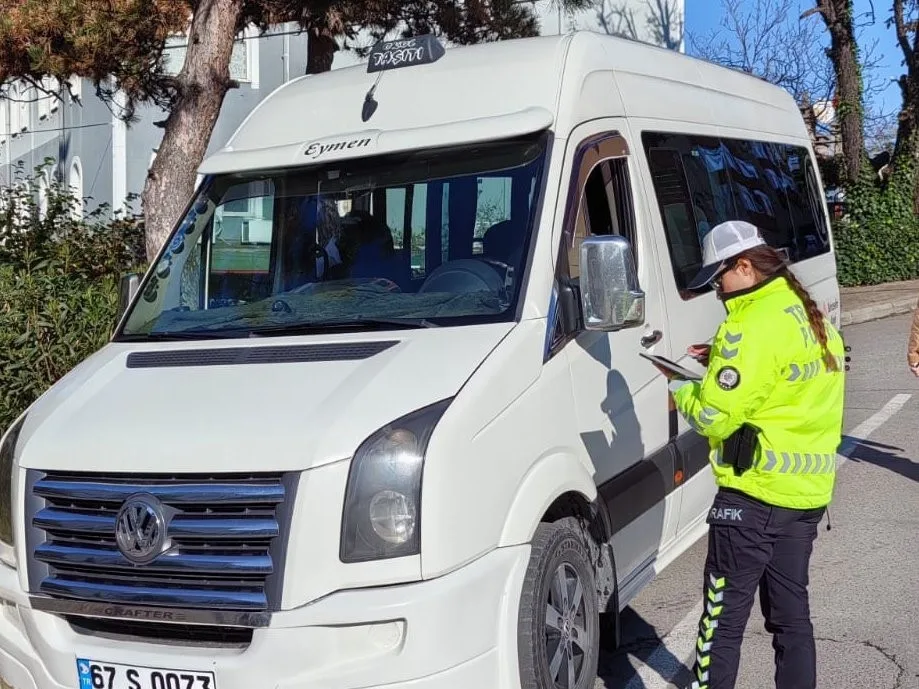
point(26, 96)
point(44, 190)
point(76, 188)
point(76, 87)
point(47, 103)
point(4, 121)
point(44, 106)
point(240, 59)
point(15, 110)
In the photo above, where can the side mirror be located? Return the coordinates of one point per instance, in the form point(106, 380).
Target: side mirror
point(130, 283)
point(611, 298)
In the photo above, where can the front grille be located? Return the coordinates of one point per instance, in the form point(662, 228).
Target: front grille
point(225, 537)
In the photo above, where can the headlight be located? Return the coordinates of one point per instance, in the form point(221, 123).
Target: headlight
point(382, 511)
point(7, 453)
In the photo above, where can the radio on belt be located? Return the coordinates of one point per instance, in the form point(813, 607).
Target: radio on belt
point(408, 52)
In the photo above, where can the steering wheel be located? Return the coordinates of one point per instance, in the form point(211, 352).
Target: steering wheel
point(466, 275)
point(387, 284)
point(500, 266)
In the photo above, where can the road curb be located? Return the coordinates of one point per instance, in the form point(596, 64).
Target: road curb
point(894, 307)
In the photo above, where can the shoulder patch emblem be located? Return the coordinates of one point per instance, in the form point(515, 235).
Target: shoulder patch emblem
point(728, 378)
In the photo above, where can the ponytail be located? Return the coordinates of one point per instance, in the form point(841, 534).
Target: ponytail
point(814, 315)
point(767, 261)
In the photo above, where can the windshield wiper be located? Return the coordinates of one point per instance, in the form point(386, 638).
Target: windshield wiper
point(279, 330)
point(177, 336)
point(358, 324)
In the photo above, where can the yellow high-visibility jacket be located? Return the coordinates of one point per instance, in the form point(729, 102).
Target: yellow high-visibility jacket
point(766, 369)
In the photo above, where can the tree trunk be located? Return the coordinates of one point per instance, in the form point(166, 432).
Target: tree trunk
point(843, 53)
point(202, 85)
point(906, 148)
point(320, 50)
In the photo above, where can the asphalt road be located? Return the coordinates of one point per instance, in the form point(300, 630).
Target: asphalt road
point(864, 572)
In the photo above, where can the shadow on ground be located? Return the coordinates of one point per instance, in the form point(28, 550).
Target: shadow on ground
point(641, 641)
point(884, 456)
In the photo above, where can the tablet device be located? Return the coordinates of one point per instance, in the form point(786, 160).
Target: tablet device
point(681, 373)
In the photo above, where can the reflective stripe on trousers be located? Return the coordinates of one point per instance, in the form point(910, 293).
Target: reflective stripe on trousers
point(798, 463)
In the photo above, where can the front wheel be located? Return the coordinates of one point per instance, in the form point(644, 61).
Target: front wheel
point(558, 632)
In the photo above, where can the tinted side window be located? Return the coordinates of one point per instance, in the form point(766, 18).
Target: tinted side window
point(806, 205)
point(760, 184)
point(681, 226)
point(701, 181)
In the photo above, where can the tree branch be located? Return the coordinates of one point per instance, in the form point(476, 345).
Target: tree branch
point(902, 30)
point(38, 85)
point(766, 38)
point(812, 11)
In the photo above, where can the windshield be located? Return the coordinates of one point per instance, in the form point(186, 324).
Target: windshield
point(436, 237)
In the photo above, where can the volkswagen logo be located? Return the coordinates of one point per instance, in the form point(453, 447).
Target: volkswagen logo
point(140, 528)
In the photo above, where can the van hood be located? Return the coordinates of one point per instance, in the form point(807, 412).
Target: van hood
point(275, 404)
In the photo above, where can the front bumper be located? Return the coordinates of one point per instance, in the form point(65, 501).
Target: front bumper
point(454, 632)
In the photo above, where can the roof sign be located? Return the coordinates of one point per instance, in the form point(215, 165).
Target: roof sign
point(421, 50)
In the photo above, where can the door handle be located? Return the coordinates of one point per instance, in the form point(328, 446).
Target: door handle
point(651, 339)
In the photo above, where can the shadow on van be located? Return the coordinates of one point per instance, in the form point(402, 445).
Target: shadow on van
point(617, 406)
point(641, 641)
point(634, 490)
point(625, 446)
point(632, 486)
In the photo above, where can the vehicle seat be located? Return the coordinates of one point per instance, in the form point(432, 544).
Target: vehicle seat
point(375, 255)
point(503, 242)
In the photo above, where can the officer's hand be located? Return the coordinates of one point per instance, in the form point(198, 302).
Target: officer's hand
point(700, 352)
point(668, 374)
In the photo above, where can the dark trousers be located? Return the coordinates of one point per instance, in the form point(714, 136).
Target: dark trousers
point(753, 545)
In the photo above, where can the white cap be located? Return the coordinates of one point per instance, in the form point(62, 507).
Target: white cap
point(722, 243)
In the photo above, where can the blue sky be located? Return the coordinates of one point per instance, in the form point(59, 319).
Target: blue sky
point(704, 15)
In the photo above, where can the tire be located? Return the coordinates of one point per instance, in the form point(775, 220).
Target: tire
point(554, 650)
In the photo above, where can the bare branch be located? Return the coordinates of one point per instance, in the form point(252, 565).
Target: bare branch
point(37, 85)
point(766, 38)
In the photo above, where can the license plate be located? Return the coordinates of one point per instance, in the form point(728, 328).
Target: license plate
point(95, 674)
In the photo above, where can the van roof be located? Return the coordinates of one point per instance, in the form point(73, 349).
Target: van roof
point(493, 90)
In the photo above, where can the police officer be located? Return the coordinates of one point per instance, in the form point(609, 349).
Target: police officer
point(771, 405)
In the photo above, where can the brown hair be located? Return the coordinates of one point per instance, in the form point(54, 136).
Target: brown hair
point(769, 262)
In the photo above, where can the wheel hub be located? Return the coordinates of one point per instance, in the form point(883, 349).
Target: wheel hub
point(567, 640)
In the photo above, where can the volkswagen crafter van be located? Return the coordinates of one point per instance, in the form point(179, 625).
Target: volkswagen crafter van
point(377, 415)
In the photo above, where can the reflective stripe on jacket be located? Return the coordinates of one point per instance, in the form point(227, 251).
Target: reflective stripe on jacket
point(766, 369)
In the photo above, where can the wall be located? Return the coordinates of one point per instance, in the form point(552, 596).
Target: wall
point(62, 130)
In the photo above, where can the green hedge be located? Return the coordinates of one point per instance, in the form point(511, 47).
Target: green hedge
point(58, 286)
point(878, 241)
point(885, 249)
